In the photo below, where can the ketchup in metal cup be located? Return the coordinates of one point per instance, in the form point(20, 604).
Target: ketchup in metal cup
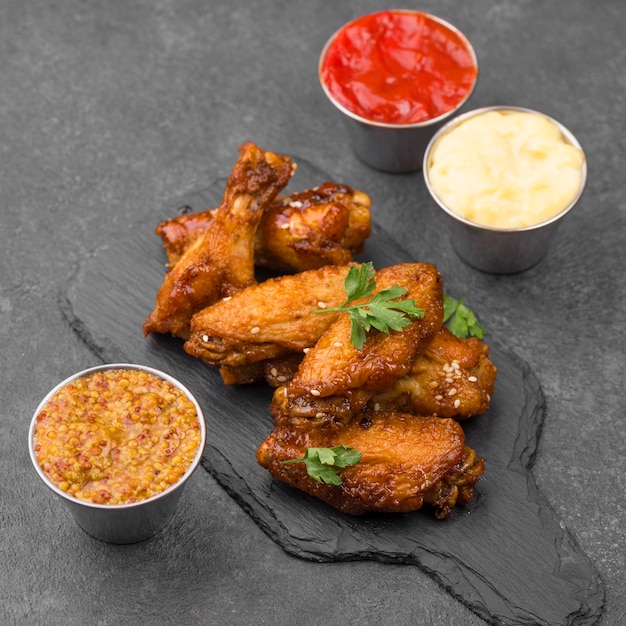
point(399, 67)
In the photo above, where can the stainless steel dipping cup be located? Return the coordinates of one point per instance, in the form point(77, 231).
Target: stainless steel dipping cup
point(500, 250)
point(122, 523)
point(395, 148)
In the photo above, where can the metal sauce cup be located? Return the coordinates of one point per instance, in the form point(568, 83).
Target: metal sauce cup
point(122, 523)
point(501, 250)
point(395, 148)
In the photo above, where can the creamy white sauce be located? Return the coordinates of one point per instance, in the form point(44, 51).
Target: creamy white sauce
point(506, 169)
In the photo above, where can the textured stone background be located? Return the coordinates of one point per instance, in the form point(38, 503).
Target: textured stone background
point(107, 110)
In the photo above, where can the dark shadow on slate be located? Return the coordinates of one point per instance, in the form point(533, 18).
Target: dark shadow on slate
point(505, 556)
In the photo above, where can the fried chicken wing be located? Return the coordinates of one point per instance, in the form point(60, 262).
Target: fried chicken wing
point(180, 232)
point(337, 379)
point(406, 461)
point(326, 225)
point(221, 261)
point(452, 378)
point(268, 319)
point(393, 399)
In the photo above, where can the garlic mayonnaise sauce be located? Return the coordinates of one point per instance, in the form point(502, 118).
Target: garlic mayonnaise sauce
point(506, 169)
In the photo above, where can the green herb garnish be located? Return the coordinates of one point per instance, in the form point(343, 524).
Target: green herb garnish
point(462, 321)
point(385, 311)
point(322, 463)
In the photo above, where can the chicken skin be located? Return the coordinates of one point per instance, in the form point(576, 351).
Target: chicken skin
point(335, 378)
point(268, 319)
point(221, 261)
point(326, 225)
point(275, 371)
point(406, 461)
point(452, 378)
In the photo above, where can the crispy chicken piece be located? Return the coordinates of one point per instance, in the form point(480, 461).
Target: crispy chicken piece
point(269, 319)
point(406, 461)
point(452, 378)
point(447, 363)
point(221, 261)
point(180, 232)
point(337, 379)
point(326, 225)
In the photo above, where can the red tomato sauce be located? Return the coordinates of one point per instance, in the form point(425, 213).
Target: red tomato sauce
point(398, 67)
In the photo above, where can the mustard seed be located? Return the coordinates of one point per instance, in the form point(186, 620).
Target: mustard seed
point(105, 437)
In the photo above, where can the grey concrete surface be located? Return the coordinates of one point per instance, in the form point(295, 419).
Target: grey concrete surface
point(109, 109)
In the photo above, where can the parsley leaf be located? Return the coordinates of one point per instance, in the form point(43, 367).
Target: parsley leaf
point(385, 311)
point(462, 321)
point(322, 463)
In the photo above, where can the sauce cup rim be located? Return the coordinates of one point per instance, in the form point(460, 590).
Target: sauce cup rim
point(458, 120)
point(424, 123)
point(129, 505)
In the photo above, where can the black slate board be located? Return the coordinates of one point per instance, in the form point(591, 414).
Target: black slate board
point(505, 556)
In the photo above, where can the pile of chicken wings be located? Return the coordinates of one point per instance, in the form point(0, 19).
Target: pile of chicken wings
point(398, 400)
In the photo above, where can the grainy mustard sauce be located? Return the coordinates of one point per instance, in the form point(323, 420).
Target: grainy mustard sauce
point(117, 436)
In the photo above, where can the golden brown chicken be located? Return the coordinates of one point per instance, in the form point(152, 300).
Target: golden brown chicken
point(180, 232)
point(391, 399)
point(406, 461)
point(451, 378)
point(268, 319)
point(337, 379)
point(326, 225)
point(221, 261)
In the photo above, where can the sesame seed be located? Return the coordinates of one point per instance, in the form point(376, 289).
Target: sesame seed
point(255, 330)
point(452, 392)
point(473, 379)
point(321, 305)
point(273, 371)
point(306, 350)
point(205, 338)
point(457, 403)
point(227, 298)
point(448, 379)
point(438, 397)
point(281, 379)
point(337, 344)
point(320, 415)
point(284, 226)
point(316, 392)
point(377, 406)
point(432, 384)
